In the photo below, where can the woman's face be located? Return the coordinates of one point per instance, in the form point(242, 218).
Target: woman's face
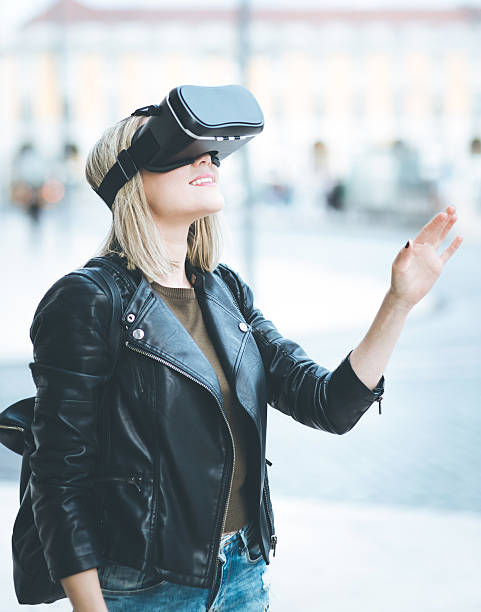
point(178, 195)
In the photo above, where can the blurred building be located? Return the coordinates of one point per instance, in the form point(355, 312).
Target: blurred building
point(351, 79)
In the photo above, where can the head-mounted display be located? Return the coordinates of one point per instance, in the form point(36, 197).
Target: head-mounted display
point(191, 120)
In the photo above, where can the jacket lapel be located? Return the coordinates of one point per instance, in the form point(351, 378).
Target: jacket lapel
point(224, 332)
point(157, 331)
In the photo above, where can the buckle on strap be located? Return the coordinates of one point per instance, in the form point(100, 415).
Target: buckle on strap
point(126, 164)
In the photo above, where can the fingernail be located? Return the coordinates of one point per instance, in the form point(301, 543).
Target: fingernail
point(406, 245)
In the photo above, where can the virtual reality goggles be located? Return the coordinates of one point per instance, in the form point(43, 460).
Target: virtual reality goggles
point(191, 120)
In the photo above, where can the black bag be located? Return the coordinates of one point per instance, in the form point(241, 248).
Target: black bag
point(33, 584)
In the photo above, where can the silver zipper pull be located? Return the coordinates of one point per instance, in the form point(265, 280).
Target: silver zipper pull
point(13, 427)
point(273, 544)
point(379, 402)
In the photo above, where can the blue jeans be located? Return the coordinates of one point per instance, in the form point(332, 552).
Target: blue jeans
point(239, 585)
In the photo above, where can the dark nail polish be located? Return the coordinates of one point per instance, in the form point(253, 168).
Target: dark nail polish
point(406, 245)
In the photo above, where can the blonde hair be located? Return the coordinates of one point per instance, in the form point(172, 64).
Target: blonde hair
point(134, 233)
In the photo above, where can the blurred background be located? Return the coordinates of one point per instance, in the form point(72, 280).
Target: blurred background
point(372, 126)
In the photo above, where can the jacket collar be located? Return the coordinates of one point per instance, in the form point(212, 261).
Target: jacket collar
point(151, 327)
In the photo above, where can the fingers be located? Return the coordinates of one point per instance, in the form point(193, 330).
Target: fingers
point(451, 249)
point(427, 231)
point(436, 230)
point(450, 221)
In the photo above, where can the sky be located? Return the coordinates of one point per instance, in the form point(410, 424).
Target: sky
point(14, 13)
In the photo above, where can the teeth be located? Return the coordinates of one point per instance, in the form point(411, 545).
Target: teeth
point(202, 180)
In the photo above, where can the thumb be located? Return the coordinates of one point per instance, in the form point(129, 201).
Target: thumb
point(404, 255)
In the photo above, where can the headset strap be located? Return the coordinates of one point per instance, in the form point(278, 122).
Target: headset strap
point(129, 161)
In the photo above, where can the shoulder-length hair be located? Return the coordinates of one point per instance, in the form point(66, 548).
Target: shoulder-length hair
point(134, 233)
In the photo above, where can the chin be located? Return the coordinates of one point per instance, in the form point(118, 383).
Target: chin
point(205, 211)
point(214, 207)
point(200, 207)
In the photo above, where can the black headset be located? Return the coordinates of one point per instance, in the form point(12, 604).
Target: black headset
point(191, 120)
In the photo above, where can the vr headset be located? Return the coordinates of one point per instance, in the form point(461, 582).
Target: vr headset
point(191, 120)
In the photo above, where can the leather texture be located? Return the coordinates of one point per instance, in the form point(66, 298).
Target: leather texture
point(135, 468)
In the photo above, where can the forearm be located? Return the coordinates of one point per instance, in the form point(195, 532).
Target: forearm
point(83, 590)
point(369, 359)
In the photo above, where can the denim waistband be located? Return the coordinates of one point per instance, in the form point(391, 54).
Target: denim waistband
point(245, 533)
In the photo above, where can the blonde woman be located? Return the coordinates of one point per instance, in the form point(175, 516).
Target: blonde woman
point(185, 520)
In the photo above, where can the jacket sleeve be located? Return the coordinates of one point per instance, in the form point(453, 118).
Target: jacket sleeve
point(70, 333)
point(333, 401)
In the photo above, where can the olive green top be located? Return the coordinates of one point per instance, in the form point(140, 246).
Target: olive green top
point(183, 303)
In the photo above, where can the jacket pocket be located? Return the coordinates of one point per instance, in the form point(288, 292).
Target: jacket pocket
point(134, 479)
point(126, 508)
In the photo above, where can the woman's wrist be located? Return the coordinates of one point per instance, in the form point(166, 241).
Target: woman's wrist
point(84, 592)
point(397, 303)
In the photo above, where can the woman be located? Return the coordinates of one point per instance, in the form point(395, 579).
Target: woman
point(186, 521)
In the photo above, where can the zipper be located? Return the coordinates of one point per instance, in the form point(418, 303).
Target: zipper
point(273, 542)
point(134, 479)
point(236, 304)
point(273, 536)
point(139, 377)
point(15, 427)
point(379, 402)
point(170, 365)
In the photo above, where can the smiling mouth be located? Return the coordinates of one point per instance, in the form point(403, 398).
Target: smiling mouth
point(203, 181)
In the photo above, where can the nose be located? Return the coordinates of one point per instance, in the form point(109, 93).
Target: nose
point(203, 159)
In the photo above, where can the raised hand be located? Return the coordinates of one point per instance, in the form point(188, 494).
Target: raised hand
point(416, 268)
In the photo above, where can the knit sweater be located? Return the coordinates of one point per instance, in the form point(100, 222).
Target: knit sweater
point(183, 303)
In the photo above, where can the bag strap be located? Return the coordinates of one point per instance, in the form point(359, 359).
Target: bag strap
point(106, 280)
point(104, 276)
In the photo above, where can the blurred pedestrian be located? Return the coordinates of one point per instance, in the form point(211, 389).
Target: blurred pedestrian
point(27, 180)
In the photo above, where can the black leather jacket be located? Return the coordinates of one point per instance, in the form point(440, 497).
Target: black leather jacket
point(152, 490)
